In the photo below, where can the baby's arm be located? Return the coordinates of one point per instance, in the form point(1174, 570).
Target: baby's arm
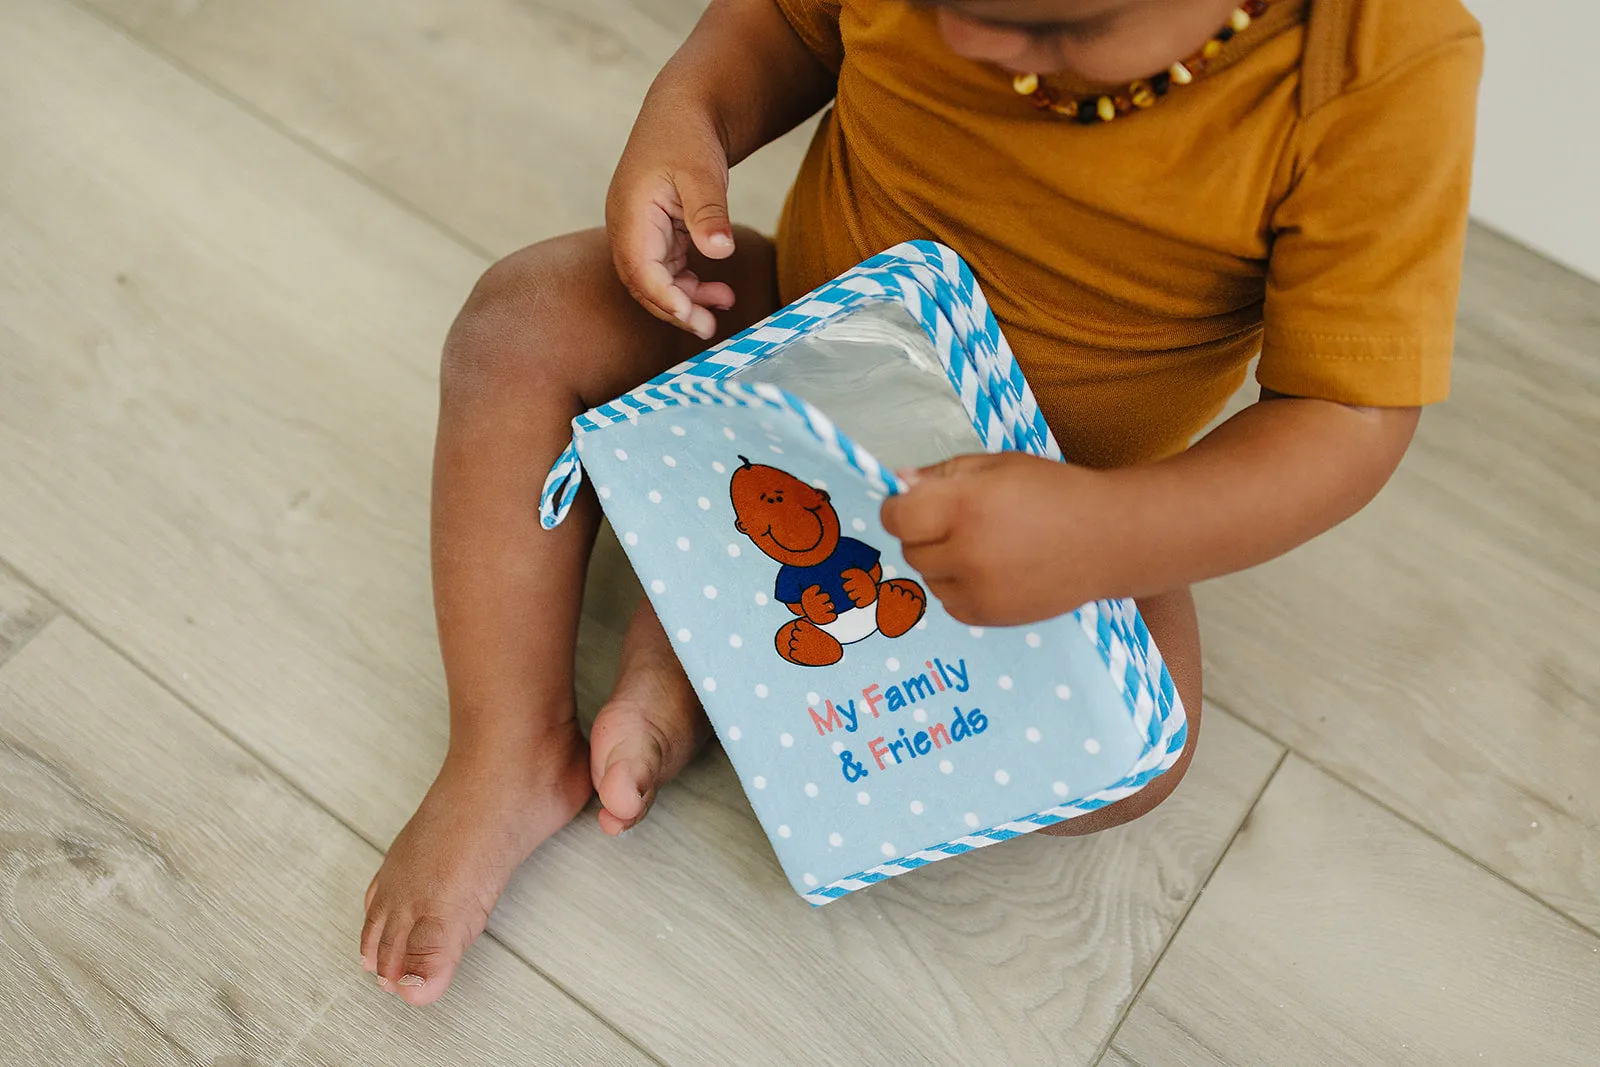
point(741, 79)
point(1007, 539)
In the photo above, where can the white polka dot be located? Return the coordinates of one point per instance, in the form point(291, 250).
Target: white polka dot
point(784, 831)
point(734, 733)
point(1032, 734)
point(921, 714)
point(605, 492)
point(678, 431)
point(765, 425)
point(727, 431)
point(717, 466)
point(811, 789)
point(835, 840)
point(733, 550)
point(710, 591)
point(683, 544)
point(709, 684)
point(655, 496)
point(922, 623)
point(735, 641)
point(683, 635)
point(809, 879)
point(916, 807)
point(775, 448)
point(630, 538)
point(620, 454)
point(1002, 778)
point(762, 690)
point(1033, 640)
point(891, 664)
point(1059, 788)
point(945, 766)
point(863, 798)
point(759, 782)
point(838, 747)
point(705, 505)
point(1092, 747)
point(857, 525)
point(761, 599)
point(970, 819)
point(1005, 681)
point(887, 849)
point(820, 484)
point(812, 698)
point(889, 571)
point(1064, 692)
point(658, 587)
point(786, 740)
point(975, 631)
point(873, 494)
point(770, 435)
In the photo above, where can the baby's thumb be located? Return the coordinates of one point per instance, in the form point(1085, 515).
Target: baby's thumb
point(704, 196)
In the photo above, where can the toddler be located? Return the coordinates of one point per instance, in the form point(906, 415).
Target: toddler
point(1151, 192)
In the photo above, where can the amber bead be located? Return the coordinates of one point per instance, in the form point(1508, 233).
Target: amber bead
point(1065, 108)
point(1254, 8)
point(1025, 84)
point(1106, 108)
point(1212, 49)
point(1180, 74)
point(1161, 83)
point(1141, 93)
point(1239, 21)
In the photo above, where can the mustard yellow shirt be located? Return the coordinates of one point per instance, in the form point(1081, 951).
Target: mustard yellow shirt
point(1136, 266)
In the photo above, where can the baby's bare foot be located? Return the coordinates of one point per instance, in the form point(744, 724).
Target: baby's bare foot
point(481, 818)
point(649, 729)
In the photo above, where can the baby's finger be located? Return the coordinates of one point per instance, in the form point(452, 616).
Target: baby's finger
point(718, 295)
point(919, 516)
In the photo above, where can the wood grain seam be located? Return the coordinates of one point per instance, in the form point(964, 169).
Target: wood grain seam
point(39, 624)
point(1177, 927)
point(62, 612)
point(311, 148)
point(1407, 820)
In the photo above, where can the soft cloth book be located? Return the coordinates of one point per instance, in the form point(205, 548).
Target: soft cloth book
point(873, 733)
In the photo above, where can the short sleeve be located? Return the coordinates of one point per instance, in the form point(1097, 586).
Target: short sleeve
point(1365, 266)
point(817, 24)
point(787, 588)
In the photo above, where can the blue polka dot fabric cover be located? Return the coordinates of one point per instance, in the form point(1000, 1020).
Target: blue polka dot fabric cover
point(873, 733)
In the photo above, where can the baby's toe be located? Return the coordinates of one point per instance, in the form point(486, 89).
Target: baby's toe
point(371, 933)
point(627, 786)
point(433, 949)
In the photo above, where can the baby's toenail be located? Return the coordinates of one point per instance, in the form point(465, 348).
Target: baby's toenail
point(382, 981)
point(412, 980)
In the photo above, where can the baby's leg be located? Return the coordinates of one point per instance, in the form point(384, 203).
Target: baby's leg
point(547, 333)
point(1176, 630)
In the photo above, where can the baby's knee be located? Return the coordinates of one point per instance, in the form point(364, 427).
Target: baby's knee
point(510, 333)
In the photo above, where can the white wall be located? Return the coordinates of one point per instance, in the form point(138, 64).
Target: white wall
point(1537, 176)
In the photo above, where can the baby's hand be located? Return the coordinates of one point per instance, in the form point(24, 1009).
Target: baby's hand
point(671, 190)
point(859, 587)
point(1005, 539)
point(818, 606)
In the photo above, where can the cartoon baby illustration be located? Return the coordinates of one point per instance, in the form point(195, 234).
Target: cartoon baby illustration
point(834, 584)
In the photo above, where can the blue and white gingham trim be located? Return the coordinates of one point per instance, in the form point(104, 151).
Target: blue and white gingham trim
point(1136, 665)
point(935, 287)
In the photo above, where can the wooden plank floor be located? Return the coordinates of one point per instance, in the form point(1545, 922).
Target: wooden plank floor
point(234, 235)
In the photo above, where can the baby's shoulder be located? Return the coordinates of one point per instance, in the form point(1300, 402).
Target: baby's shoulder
point(1388, 35)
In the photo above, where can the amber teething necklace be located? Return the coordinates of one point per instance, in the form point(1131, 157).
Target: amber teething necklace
point(1144, 92)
